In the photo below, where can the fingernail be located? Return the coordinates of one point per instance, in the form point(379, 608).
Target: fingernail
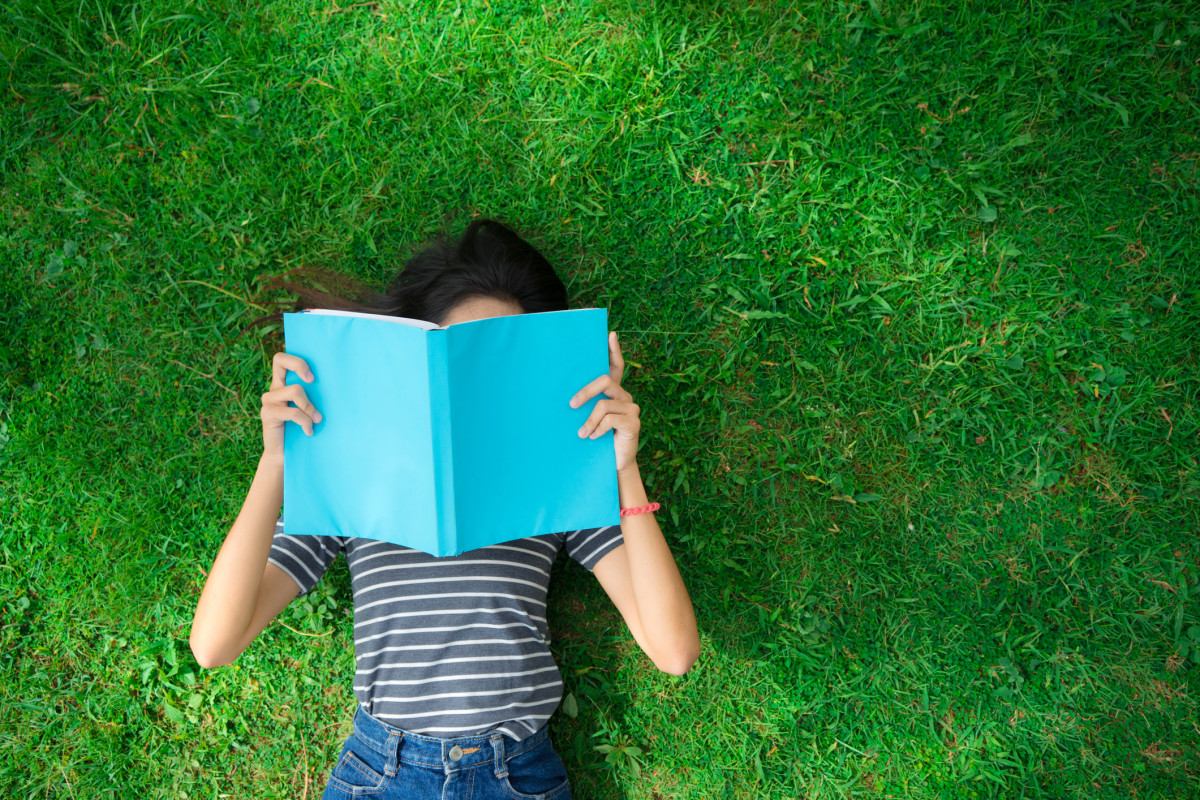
point(310, 378)
point(581, 430)
point(317, 416)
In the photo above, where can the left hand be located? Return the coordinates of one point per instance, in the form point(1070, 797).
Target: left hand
point(618, 414)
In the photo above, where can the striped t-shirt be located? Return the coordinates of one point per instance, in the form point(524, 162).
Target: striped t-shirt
point(453, 646)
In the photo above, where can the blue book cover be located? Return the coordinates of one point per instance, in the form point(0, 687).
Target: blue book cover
point(448, 439)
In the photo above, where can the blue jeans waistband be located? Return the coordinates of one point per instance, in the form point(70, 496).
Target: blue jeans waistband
point(445, 755)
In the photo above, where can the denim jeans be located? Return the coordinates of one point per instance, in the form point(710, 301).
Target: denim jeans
point(386, 763)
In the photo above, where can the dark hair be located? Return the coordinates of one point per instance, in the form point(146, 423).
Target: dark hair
point(488, 260)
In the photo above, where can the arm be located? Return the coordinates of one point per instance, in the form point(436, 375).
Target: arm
point(243, 592)
point(641, 578)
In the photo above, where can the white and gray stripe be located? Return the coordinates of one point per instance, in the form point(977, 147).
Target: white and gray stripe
point(449, 646)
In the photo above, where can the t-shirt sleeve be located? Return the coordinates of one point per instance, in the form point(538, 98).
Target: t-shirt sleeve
point(303, 558)
point(590, 545)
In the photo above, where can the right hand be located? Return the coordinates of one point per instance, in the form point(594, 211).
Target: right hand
point(275, 409)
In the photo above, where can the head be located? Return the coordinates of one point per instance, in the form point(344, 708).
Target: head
point(488, 271)
point(479, 307)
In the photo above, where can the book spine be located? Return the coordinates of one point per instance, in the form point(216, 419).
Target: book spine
point(443, 444)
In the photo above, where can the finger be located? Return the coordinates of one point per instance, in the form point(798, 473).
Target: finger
point(604, 383)
point(300, 418)
point(605, 425)
point(294, 394)
point(608, 408)
point(618, 423)
point(282, 363)
point(616, 362)
point(284, 414)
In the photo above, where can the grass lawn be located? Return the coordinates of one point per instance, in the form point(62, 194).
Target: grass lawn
point(909, 294)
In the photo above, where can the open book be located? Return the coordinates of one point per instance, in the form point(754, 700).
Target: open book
point(448, 439)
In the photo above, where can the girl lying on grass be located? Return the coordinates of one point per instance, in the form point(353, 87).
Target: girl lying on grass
point(455, 681)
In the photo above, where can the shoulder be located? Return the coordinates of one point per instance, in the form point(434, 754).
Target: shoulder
point(589, 545)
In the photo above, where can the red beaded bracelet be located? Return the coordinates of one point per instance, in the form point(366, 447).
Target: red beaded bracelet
point(629, 512)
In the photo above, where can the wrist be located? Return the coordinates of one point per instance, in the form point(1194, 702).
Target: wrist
point(629, 485)
point(271, 460)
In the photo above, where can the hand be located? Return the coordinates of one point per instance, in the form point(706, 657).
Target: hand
point(275, 409)
point(618, 414)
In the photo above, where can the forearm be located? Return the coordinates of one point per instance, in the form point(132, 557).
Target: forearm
point(664, 607)
point(230, 594)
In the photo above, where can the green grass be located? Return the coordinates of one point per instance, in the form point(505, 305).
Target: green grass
point(910, 294)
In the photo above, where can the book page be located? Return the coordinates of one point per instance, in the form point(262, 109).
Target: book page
point(520, 468)
point(367, 469)
point(418, 323)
